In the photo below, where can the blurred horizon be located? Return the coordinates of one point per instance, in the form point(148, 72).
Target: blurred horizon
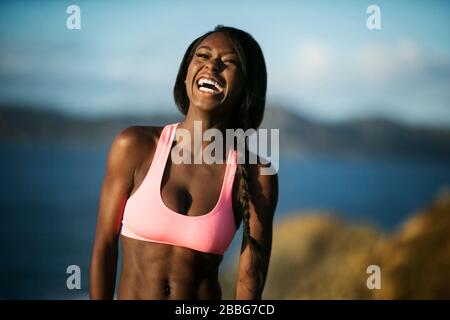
point(125, 58)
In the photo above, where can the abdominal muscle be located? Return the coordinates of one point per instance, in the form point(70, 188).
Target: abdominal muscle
point(165, 272)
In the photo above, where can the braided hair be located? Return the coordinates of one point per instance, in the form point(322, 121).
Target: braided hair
point(247, 114)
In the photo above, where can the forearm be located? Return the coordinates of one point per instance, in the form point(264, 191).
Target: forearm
point(102, 277)
point(248, 289)
point(252, 278)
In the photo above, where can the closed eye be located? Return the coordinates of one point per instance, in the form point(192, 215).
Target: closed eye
point(230, 61)
point(205, 56)
point(202, 55)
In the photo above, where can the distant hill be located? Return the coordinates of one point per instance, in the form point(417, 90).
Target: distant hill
point(360, 137)
point(298, 135)
point(37, 126)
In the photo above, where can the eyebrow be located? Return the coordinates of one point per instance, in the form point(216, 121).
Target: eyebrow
point(208, 48)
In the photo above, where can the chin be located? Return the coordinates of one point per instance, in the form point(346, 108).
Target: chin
point(206, 103)
point(208, 106)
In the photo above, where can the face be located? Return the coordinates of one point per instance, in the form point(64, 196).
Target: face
point(214, 77)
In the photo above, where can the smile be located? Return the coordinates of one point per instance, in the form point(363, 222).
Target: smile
point(209, 86)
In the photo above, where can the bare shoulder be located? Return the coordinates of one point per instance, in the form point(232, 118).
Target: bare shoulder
point(135, 142)
point(263, 176)
point(261, 168)
point(137, 136)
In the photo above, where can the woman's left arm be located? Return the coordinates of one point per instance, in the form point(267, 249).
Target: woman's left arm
point(263, 200)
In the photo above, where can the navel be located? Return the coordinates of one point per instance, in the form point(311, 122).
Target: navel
point(167, 289)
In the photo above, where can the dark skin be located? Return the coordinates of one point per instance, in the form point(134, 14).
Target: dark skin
point(161, 271)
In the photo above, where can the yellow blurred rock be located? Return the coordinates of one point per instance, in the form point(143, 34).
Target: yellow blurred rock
point(318, 256)
point(417, 261)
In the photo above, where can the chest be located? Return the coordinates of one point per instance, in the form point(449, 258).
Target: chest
point(195, 189)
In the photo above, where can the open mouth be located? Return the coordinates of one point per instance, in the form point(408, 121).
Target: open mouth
point(209, 86)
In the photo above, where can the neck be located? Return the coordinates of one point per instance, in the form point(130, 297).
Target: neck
point(198, 121)
point(209, 119)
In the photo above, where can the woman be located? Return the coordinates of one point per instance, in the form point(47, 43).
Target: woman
point(178, 219)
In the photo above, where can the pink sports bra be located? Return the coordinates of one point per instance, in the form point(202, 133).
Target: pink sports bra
point(147, 218)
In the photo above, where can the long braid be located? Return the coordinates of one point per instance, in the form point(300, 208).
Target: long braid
point(257, 254)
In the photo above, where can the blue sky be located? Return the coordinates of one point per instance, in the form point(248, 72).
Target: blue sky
point(322, 60)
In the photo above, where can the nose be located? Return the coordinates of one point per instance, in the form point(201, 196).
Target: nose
point(213, 64)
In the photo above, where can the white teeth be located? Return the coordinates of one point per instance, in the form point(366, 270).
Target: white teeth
point(212, 82)
point(206, 90)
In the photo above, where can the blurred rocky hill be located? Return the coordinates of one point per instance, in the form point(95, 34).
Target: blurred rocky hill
point(298, 135)
point(319, 256)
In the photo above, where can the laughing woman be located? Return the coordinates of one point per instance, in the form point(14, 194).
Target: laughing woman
point(176, 221)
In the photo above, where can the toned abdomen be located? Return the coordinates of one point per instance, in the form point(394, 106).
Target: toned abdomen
point(161, 271)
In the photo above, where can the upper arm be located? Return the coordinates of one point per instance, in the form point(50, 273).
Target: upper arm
point(263, 200)
point(118, 182)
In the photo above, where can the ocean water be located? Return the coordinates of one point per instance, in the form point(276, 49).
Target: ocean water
point(49, 198)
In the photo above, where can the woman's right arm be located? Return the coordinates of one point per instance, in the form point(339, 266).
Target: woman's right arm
point(117, 185)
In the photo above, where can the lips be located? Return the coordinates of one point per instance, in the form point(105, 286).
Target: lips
point(211, 77)
point(210, 85)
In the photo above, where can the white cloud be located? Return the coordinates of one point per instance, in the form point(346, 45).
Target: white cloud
point(312, 60)
point(397, 78)
point(379, 64)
